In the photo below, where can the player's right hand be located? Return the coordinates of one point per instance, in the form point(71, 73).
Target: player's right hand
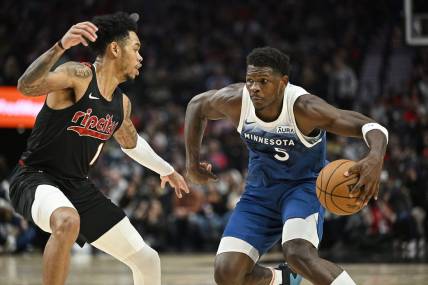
point(201, 174)
point(79, 34)
point(177, 182)
point(368, 169)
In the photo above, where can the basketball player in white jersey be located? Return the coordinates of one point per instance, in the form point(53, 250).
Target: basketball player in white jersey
point(284, 129)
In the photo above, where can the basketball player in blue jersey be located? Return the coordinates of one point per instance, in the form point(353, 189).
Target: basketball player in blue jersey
point(83, 109)
point(284, 129)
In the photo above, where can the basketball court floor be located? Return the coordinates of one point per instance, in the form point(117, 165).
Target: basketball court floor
point(183, 270)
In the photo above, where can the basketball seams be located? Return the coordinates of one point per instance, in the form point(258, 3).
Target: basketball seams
point(328, 181)
point(320, 176)
point(347, 180)
point(348, 198)
point(340, 208)
point(321, 179)
point(325, 197)
point(339, 203)
point(334, 202)
point(334, 171)
point(334, 195)
point(320, 192)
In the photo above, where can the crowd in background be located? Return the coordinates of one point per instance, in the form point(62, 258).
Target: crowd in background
point(192, 46)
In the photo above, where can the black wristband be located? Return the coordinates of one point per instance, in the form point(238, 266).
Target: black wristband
point(60, 45)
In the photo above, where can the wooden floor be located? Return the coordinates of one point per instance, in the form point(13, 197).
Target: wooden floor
point(184, 270)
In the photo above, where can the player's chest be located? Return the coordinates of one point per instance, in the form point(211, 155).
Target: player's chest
point(99, 122)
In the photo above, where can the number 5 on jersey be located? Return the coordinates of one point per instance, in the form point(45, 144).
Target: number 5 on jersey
point(282, 154)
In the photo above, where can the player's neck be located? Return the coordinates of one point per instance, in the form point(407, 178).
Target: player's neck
point(270, 113)
point(107, 79)
point(273, 111)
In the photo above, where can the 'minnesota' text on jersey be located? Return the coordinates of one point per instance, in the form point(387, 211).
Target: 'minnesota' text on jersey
point(67, 142)
point(278, 151)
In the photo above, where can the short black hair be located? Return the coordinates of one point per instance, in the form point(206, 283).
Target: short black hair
point(112, 27)
point(270, 57)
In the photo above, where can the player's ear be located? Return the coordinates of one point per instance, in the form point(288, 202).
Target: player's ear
point(114, 49)
point(284, 79)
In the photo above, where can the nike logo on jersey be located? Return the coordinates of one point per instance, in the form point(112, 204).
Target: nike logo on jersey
point(248, 122)
point(92, 97)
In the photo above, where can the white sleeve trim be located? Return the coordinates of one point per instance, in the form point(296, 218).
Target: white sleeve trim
point(304, 139)
point(146, 156)
point(244, 109)
point(373, 126)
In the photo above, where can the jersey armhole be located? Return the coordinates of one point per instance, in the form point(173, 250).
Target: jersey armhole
point(308, 142)
point(244, 109)
point(122, 98)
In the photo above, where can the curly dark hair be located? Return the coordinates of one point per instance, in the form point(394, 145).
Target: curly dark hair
point(270, 57)
point(112, 27)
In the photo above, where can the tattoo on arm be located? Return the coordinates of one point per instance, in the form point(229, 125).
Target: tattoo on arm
point(32, 81)
point(34, 89)
point(62, 78)
point(126, 136)
point(81, 70)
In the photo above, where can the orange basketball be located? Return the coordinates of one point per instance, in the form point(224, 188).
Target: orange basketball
point(333, 188)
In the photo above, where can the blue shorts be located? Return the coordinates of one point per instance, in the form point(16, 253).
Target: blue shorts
point(261, 213)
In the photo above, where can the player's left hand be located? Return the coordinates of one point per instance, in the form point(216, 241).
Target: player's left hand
point(177, 182)
point(368, 169)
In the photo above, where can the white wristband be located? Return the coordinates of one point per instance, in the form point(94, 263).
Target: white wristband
point(146, 156)
point(373, 126)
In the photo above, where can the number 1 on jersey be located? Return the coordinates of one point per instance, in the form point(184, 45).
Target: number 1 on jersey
point(100, 147)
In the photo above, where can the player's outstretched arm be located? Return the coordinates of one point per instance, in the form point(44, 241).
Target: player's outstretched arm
point(314, 113)
point(39, 80)
point(139, 150)
point(211, 105)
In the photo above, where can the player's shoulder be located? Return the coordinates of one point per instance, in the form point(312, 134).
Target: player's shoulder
point(232, 89)
point(307, 104)
point(296, 90)
point(76, 69)
point(231, 92)
point(125, 98)
point(126, 102)
point(226, 97)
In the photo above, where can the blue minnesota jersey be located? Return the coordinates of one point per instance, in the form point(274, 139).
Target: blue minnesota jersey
point(278, 151)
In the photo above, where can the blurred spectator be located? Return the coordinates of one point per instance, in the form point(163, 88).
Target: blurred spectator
point(16, 234)
point(343, 82)
point(186, 223)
